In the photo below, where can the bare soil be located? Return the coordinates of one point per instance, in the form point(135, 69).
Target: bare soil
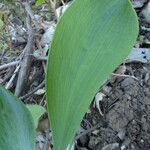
point(126, 121)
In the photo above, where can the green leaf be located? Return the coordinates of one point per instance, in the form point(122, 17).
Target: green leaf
point(16, 124)
point(92, 38)
point(36, 112)
point(39, 2)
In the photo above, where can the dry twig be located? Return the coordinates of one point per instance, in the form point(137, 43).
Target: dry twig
point(8, 65)
point(26, 62)
point(126, 76)
point(33, 91)
point(53, 7)
point(9, 84)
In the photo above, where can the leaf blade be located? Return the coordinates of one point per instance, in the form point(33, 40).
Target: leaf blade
point(16, 125)
point(83, 41)
point(36, 111)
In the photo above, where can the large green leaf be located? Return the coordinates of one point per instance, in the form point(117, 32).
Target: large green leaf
point(16, 124)
point(92, 38)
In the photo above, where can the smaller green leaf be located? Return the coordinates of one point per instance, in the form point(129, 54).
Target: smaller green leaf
point(36, 112)
point(16, 124)
point(39, 2)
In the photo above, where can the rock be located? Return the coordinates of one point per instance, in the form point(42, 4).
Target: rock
point(83, 140)
point(114, 146)
point(146, 12)
point(127, 82)
point(92, 142)
point(121, 134)
point(139, 55)
point(147, 92)
point(138, 3)
point(125, 144)
point(120, 115)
